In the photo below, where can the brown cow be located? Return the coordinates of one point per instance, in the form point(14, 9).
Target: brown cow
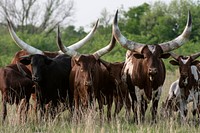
point(86, 77)
point(186, 88)
point(144, 71)
point(14, 87)
point(113, 87)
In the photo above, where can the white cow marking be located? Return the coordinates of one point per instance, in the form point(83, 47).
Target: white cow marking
point(152, 48)
point(185, 60)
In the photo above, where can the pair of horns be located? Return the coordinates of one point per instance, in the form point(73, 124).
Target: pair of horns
point(75, 54)
point(166, 46)
point(193, 56)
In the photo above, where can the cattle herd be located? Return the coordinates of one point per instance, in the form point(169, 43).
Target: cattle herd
point(68, 80)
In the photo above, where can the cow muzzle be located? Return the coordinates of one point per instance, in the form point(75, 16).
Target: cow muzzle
point(152, 73)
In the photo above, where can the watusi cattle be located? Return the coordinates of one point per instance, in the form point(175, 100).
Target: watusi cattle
point(186, 88)
point(15, 87)
point(52, 78)
point(144, 71)
point(86, 77)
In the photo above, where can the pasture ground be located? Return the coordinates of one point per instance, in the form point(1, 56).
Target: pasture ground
point(90, 123)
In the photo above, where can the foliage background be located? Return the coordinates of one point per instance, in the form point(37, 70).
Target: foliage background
point(149, 24)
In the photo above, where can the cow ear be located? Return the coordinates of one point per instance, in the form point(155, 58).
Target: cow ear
point(195, 62)
point(165, 56)
point(173, 62)
point(26, 60)
point(138, 56)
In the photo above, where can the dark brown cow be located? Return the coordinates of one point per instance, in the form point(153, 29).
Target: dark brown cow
point(144, 71)
point(14, 87)
point(186, 88)
point(86, 77)
point(52, 78)
point(114, 88)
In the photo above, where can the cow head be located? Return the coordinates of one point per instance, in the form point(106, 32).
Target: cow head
point(184, 63)
point(38, 63)
point(86, 64)
point(151, 56)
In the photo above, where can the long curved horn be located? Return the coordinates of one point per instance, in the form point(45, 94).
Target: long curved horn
point(173, 55)
point(106, 49)
point(181, 39)
point(80, 43)
point(64, 49)
point(20, 43)
point(128, 44)
point(194, 56)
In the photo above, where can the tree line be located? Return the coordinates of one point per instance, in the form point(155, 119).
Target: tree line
point(148, 23)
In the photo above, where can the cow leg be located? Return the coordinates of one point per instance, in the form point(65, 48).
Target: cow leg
point(128, 106)
point(116, 101)
point(42, 111)
point(76, 106)
point(198, 106)
point(155, 99)
point(53, 110)
point(195, 104)
point(133, 93)
point(109, 107)
point(183, 110)
point(143, 109)
point(118, 104)
point(4, 110)
point(154, 110)
point(134, 106)
point(20, 108)
point(100, 108)
point(27, 105)
point(71, 101)
point(139, 103)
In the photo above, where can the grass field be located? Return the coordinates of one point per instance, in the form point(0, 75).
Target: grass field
point(90, 123)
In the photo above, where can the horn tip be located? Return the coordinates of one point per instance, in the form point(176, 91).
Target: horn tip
point(115, 19)
point(96, 24)
point(189, 23)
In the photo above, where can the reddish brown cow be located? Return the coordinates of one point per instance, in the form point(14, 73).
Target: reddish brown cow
point(86, 77)
point(186, 88)
point(144, 71)
point(15, 86)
